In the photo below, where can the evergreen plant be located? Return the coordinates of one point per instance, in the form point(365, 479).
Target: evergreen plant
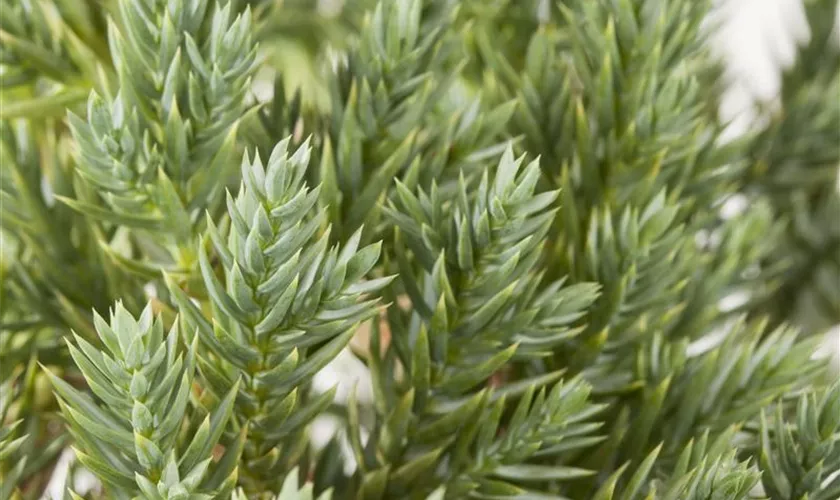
point(511, 212)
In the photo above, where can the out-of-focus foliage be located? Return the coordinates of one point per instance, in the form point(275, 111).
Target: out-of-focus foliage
point(796, 165)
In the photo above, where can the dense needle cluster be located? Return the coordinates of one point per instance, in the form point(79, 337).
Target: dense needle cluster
point(509, 212)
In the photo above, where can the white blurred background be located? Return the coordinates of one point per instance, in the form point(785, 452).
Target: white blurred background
point(758, 39)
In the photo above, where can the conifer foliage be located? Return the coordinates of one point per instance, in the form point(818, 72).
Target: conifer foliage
point(508, 212)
